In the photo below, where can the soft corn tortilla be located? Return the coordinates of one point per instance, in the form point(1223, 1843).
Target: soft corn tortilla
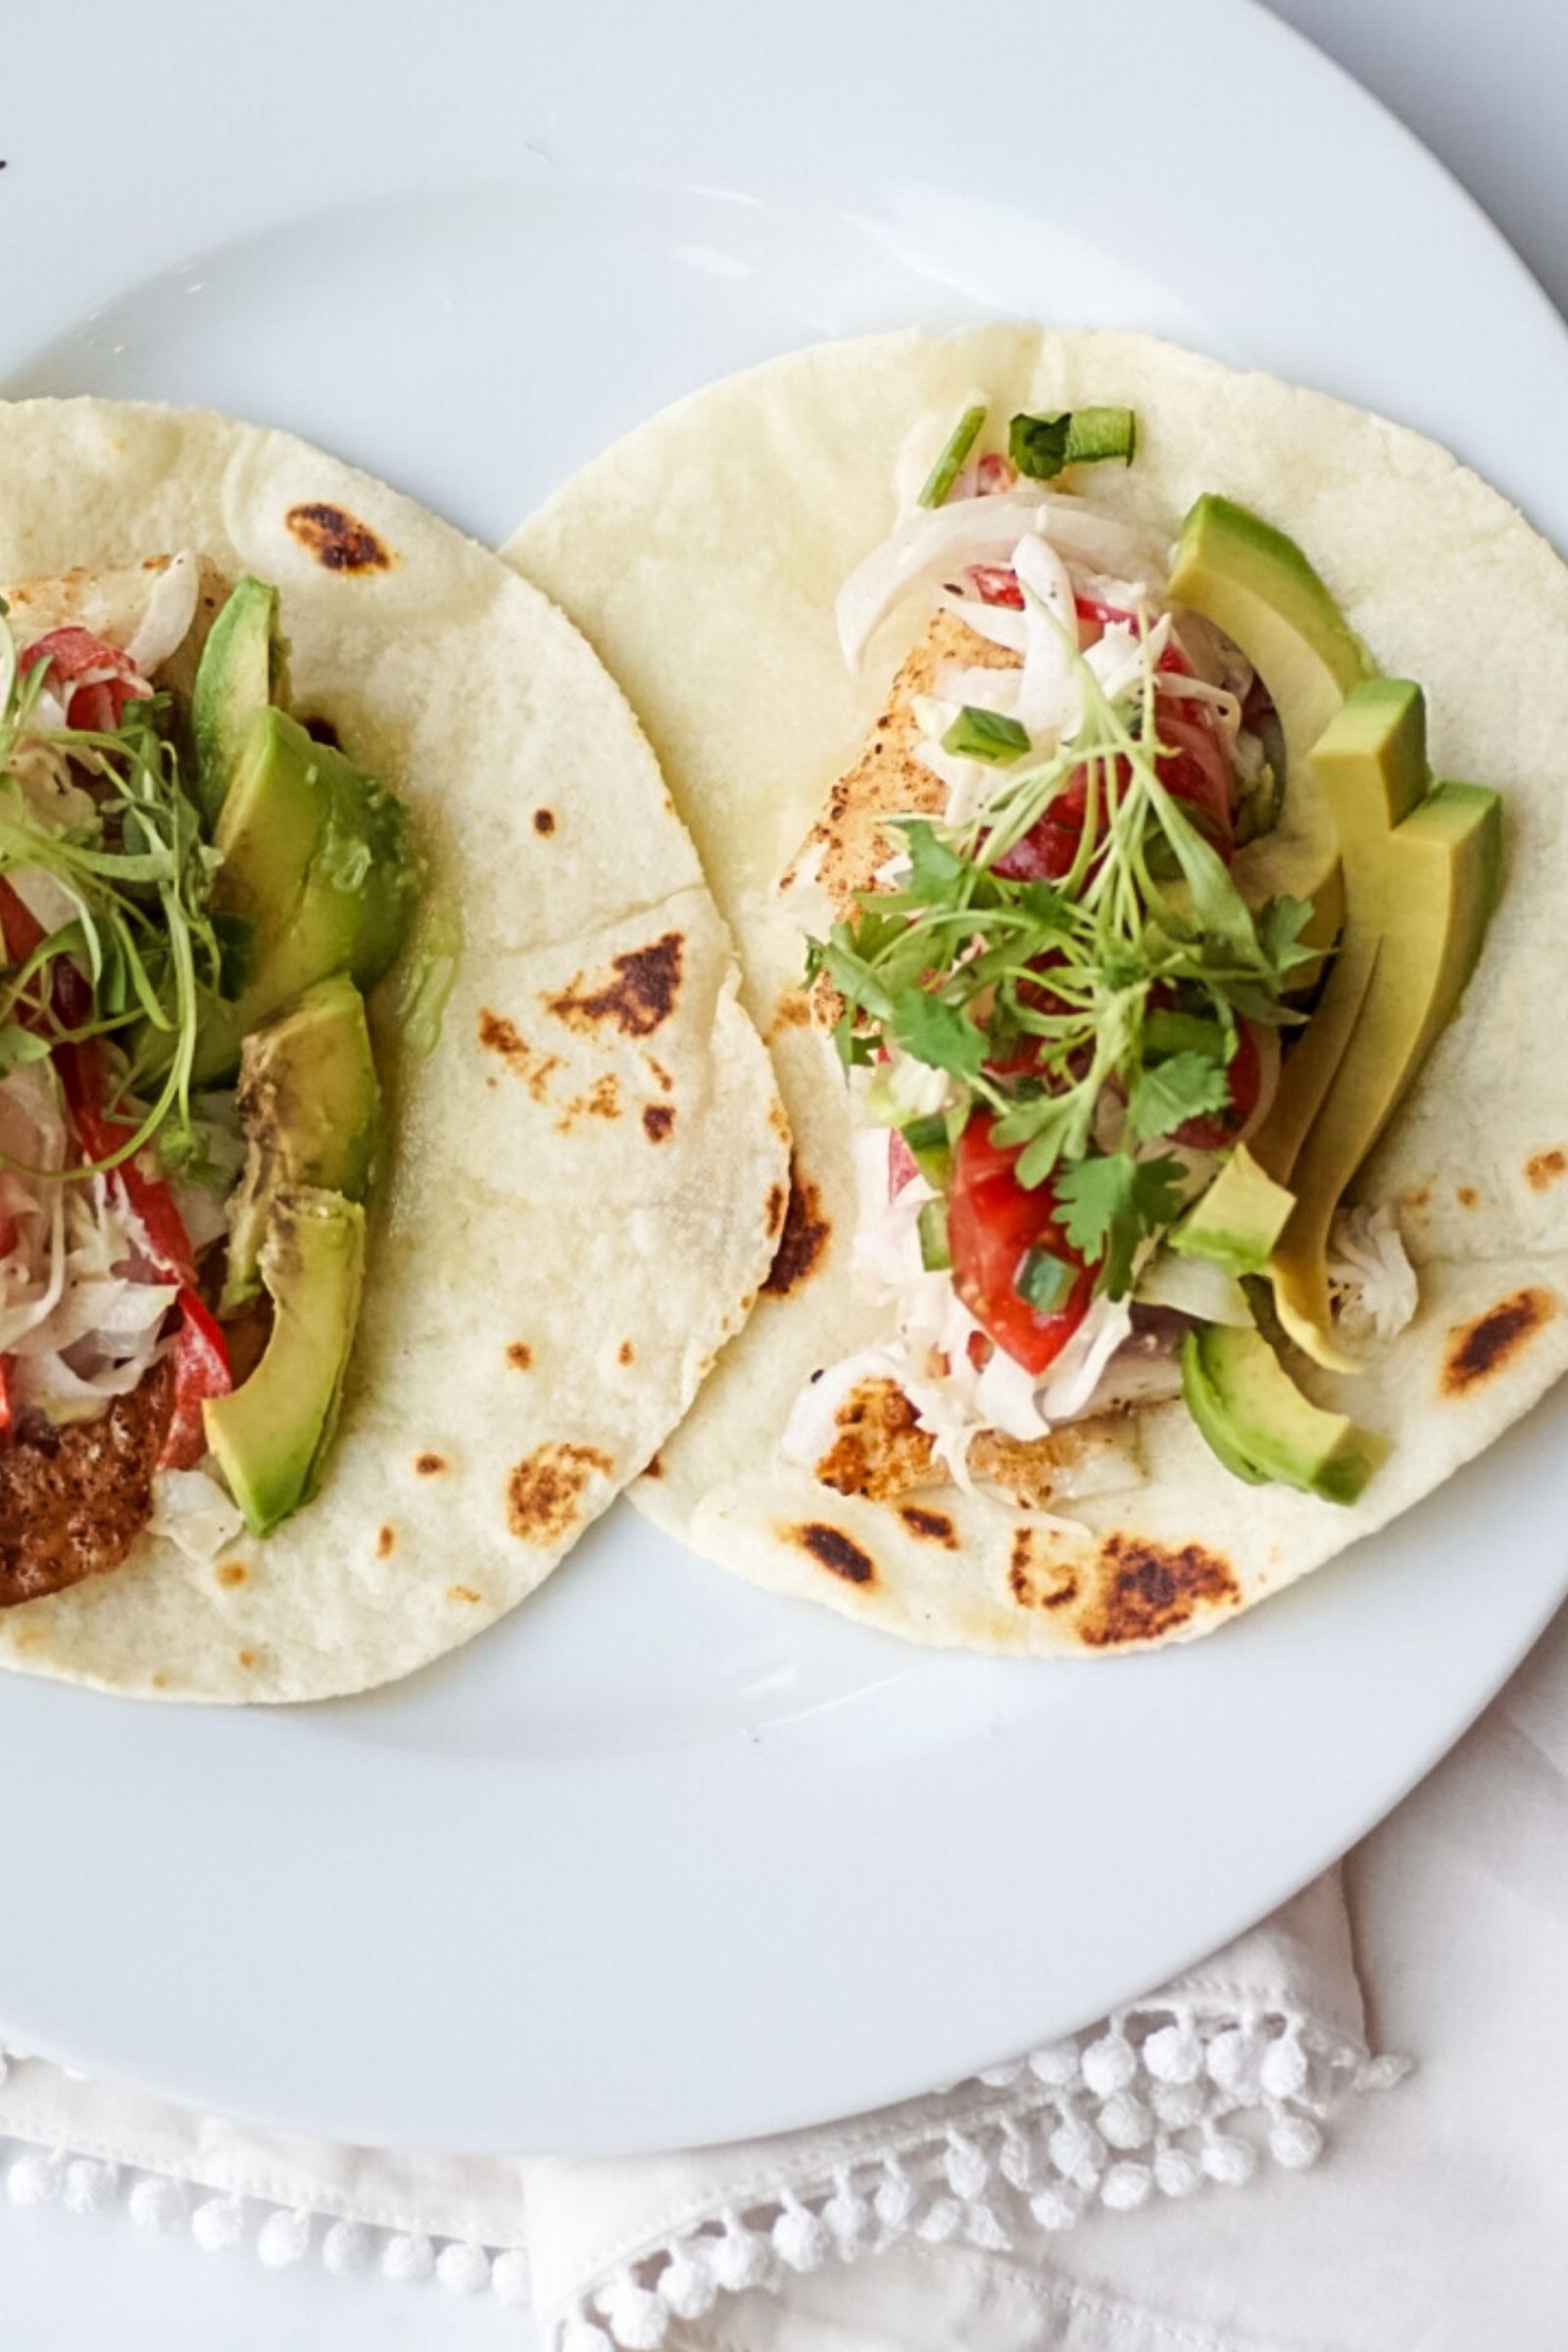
point(701, 556)
point(584, 1176)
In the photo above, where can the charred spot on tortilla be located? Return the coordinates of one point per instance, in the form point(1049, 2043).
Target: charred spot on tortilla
point(246, 1659)
point(430, 1465)
point(544, 820)
point(231, 1571)
point(497, 1035)
point(658, 1120)
point(834, 1551)
point(465, 1592)
point(338, 540)
point(1488, 1344)
point(1037, 1584)
point(639, 998)
point(777, 1202)
point(659, 1075)
point(386, 1538)
point(601, 1102)
point(793, 1011)
point(777, 1121)
point(626, 1353)
point(1466, 1196)
point(1542, 1169)
point(804, 1236)
point(520, 1355)
point(1148, 1591)
point(545, 1490)
point(880, 1449)
point(321, 730)
point(929, 1527)
point(75, 1499)
point(654, 1467)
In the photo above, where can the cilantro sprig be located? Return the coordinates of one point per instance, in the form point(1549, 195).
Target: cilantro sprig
point(1120, 984)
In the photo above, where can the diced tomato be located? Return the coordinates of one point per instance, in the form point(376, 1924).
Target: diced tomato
point(997, 584)
point(1245, 1073)
point(201, 1369)
point(993, 1223)
point(994, 473)
point(70, 653)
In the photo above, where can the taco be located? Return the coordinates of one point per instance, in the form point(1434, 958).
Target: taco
point(1176, 1197)
point(371, 1196)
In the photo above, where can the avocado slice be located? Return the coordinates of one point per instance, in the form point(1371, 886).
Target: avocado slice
point(318, 873)
point(270, 1435)
point(1237, 1222)
point(1252, 1415)
point(1256, 585)
point(1421, 877)
point(311, 1108)
point(244, 666)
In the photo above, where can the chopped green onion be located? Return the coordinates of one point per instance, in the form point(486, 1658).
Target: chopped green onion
point(936, 1255)
point(929, 1148)
point(926, 1135)
point(1043, 446)
point(1044, 1281)
point(949, 465)
point(977, 734)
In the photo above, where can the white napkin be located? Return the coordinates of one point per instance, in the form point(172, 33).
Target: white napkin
point(1036, 2207)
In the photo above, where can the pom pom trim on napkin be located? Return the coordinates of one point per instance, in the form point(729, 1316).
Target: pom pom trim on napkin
point(1168, 2097)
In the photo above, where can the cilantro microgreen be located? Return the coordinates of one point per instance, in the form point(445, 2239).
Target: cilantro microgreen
point(133, 867)
point(1167, 1094)
point(935, 870)
point(1166, 1033)
point(938, 1034)
point(1107, 1204)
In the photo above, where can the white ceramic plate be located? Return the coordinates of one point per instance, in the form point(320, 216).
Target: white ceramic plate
point(662, 1859)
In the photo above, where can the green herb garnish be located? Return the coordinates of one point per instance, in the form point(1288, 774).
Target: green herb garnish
point(1043, 447)
point(977, 734)
point(130, 859)
point(949, 465)
point(1123, 980)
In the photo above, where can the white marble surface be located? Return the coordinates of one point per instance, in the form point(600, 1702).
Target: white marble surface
point(1482, 83)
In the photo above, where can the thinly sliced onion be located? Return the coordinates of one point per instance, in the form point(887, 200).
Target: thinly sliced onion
point(1049, 701)
point(1075, 1375)
point(1196, 1286)
point(47, 899)
point(998, 624)
point(1266, 1039)
point(171, 609)
point(194, 1512)
point(927, 548)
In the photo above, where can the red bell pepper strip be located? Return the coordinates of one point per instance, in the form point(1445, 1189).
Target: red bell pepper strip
point(201, 1353)
point(201, 1369)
